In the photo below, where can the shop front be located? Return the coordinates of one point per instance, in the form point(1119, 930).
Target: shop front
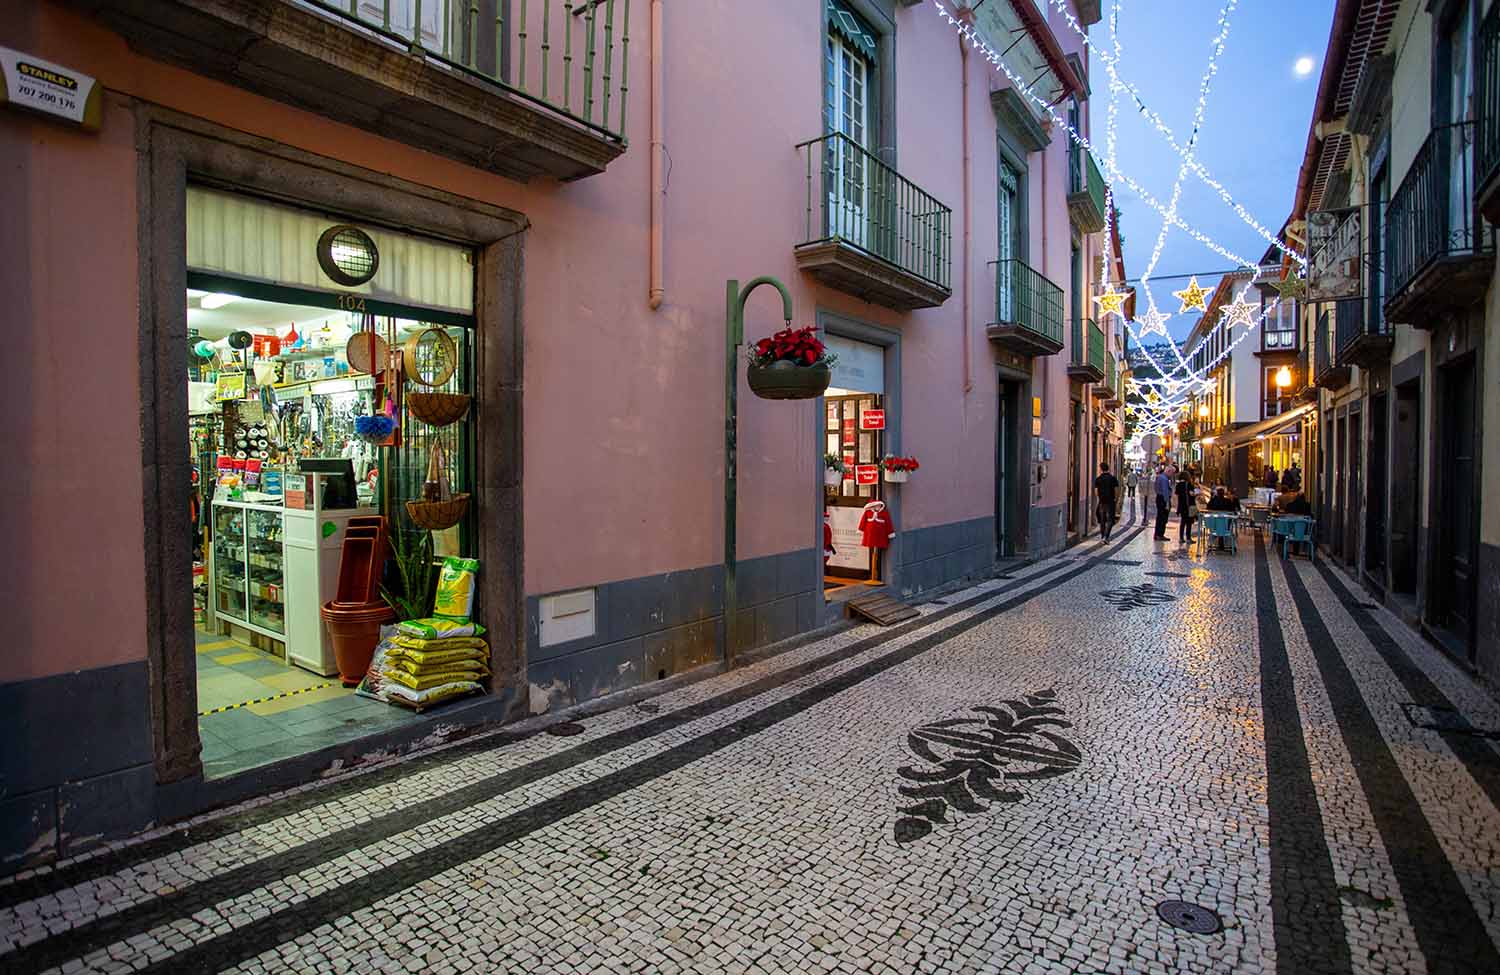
point(330, 377)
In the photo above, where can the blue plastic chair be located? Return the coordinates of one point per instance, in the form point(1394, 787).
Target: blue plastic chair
point(1220, 526)
point(1297, 531)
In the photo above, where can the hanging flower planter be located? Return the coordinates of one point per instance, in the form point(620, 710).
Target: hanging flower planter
point(897, 470)
point(833, 470)
point(792, 364)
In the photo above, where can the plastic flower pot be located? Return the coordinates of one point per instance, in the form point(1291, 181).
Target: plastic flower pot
point(832, 478)
point(355, 632)
point(897, 477)
point(784, 379)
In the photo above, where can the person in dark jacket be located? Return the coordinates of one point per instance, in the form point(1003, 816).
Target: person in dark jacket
point(1223, 501)
point(1163, 489)
point(1187, 507)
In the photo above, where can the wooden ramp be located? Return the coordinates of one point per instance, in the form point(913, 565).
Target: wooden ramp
point(882, 609)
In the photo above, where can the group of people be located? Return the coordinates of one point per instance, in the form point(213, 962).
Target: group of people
point(1170, 486)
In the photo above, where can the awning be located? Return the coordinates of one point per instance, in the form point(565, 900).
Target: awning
point(1244, 435)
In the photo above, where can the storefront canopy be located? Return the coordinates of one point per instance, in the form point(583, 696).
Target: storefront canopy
point(1247, 434)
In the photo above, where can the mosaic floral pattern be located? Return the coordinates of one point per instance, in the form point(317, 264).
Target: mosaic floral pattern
point(971, 760)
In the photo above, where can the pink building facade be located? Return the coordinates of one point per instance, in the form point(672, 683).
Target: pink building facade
point(939, 232)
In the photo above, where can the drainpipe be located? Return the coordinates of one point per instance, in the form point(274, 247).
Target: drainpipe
point(658, 188)
point(963, 50)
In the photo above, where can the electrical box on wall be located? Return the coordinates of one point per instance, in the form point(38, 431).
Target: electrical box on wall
point(565, 616)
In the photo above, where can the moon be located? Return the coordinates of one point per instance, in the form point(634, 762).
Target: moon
point(1303, 67)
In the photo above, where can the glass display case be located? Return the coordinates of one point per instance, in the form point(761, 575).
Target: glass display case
point(248, 565)
point(263, 550)
point(229, 561)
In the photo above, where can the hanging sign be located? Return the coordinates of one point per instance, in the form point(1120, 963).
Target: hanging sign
point(1333, 249)
point(867, 474)
point(35, 85)
point(230, 386)
point(872, 419)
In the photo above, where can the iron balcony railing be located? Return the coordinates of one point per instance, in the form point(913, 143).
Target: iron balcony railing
point(1088, 345)
point(570, 56)
point(1351, 324)
point(1432, 214)
point(1083, 175)
point(1025, 298)
point(1487, 99)
point(1111, 377)
point(1322, 352)
point(855, 198)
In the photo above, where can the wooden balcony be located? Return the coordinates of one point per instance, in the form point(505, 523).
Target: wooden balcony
point(470, 84)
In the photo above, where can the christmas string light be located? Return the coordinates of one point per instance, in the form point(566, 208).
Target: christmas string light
point(1166, 132)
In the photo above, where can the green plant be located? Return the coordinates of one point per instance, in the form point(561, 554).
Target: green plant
point(834, 462)
point(412, 551)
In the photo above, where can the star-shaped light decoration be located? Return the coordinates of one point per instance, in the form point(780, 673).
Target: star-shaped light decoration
point(1191, 297)
point(1292, 287)
point(1111, 302)
point(1153, 323)
point(1239, 312)
point(1153, 397)
point(1208, 386)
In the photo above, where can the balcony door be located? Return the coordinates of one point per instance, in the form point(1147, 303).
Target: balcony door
point(1010, 216)
point(846, 112)
point(1453, 96)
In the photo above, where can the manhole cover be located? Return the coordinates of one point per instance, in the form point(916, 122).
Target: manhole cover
point(648, 707)
point(565, 729)
point(1189, 917)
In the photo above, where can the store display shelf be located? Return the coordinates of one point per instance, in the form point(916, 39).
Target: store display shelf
point(276, 635)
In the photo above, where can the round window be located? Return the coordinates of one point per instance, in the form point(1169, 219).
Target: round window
point(348, 255)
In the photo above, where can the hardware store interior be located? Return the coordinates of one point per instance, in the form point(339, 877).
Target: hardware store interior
point(330, 440)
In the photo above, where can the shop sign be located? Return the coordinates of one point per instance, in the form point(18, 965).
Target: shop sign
point(296, 492)
point(849, 464)
point(872, 419)
point(1333, 249)
point(848, 433)
point(230, 386)
point(867, 474)
point(35, 85)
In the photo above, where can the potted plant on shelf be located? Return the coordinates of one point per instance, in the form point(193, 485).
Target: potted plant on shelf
point(833, 470)
point(898, 469)
point(792, 364)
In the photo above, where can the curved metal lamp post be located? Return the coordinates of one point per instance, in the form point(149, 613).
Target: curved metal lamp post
point(734, 337)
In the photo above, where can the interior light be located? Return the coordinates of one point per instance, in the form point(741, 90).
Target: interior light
point(216, 300)
point(1203, 409)
point(1209, 440)
point(1283, 377)
point(333, 386)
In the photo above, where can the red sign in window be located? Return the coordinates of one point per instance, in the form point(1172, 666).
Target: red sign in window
point(848, 467)
point(849, 433)
point(867, 474)
point(872, 419)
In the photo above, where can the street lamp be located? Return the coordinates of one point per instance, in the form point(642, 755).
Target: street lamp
point(1283, 377)
point(1202, 411)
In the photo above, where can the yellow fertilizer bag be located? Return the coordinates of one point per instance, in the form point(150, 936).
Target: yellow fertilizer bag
point(440, 658)
point(455, 588)
point(440, 646)
point(438, 628)
point(428, 682)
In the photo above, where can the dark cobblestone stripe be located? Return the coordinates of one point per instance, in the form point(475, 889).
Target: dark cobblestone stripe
point(1306, 913)
point(142, 917)
point(298, 919)
point(1476, 754)
point(1449, 930)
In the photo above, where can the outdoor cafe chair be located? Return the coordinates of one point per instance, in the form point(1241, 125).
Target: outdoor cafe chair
point(1295, 531)
point(1219, 526)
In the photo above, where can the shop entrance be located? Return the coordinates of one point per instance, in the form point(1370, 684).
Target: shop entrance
point(1406, 488)
point(1454, 582)
point(308, 431)
point(1375, 504)
point(855, 424)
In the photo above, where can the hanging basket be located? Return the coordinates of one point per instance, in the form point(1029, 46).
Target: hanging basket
point(787, 380)
point(436, 516)
point(897, 477)
point(832, 478)
point(438, 409)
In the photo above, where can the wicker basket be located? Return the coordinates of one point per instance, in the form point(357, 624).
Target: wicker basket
point(438, 409)
point(435, 516)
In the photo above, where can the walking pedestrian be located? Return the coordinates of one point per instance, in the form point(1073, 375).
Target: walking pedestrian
point(1163, 488)
point(1147, 479)
point(1106, 488)
point(1132, 481)
point(1187, 507)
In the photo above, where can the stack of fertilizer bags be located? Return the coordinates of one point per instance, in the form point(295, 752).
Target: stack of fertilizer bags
point(423, 662)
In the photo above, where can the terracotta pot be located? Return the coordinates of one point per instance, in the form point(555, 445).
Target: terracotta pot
point(787, 380)
point(355, 631)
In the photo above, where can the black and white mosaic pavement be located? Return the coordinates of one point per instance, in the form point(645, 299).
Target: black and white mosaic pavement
point(1023, 779)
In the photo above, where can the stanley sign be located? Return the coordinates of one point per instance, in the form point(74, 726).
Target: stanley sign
point(35, 85)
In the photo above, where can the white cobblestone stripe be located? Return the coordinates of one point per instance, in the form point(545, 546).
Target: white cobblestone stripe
point(232, 883)
point(1449, 930)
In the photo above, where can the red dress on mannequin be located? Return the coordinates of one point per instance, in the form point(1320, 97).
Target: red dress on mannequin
point(875, 526)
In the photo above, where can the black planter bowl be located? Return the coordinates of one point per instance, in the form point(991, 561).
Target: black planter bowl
point(787, 380)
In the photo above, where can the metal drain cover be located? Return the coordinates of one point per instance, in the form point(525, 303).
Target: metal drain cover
point(565, 729)
point(1189, 917)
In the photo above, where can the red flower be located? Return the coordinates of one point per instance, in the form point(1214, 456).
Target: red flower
point(800, 345)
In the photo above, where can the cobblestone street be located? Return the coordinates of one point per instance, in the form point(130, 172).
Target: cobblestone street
point(1021, 780)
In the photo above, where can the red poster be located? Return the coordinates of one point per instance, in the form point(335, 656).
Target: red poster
point(872, 419)
point(848, 467)
point(867, 474)
point(848, 433)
